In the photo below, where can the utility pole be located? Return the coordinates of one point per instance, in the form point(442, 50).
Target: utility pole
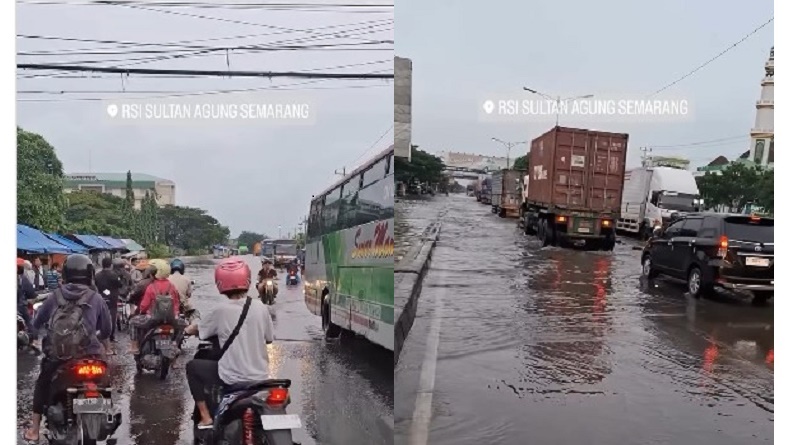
point(509, 145)
point(645, 155)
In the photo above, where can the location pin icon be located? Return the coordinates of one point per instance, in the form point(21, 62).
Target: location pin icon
point(488, 106)
point(112, 110)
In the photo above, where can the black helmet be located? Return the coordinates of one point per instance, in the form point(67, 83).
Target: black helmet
point(177, 266)
point(78, 269)
point(118, 263)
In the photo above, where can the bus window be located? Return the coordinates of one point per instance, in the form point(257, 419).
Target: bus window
point(376, 172)
point(329, 214)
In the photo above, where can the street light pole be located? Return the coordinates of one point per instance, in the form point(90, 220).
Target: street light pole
point(558, 100)
point(509, 145)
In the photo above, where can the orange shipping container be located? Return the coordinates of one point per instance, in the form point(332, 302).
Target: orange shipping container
point(256, 249)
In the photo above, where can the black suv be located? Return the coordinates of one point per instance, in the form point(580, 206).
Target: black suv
point(714, 249)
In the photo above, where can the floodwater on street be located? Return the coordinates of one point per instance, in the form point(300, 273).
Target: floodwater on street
point(342, 390)
point(517, 344)
point(412, 217)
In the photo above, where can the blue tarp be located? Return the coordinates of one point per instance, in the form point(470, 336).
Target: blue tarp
point(92, 242)
point(114, 243)
point(32, 240)
point(75, 247)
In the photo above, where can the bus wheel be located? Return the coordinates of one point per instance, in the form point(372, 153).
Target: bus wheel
point(330, 329)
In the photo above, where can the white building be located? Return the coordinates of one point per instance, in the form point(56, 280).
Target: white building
point(762, 146)
point(473, 161)
point(115, 184)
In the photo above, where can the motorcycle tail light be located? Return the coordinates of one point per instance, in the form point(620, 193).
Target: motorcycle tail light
point(91, 370)
point(277, 396)
point(166, 329)
point(92, 391)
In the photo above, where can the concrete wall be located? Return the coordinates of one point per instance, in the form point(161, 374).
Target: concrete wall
point(403, 76)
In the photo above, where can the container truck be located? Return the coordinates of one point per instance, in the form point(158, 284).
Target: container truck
point(651, 195)
point(575, 187)
point(505, 192)
point(485, 190)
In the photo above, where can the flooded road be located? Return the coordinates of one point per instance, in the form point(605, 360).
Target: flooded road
point(342, 391)
point(517, 344)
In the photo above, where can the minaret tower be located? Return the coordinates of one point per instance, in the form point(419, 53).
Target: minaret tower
point(762, 147)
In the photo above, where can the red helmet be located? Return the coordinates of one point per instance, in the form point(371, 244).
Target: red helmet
point(232, 274)
point(20, 262)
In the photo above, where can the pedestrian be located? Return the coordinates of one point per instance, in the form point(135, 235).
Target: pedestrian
point(137, 271)
point(53, 276)
point(108, 283)
point(24, 292)
point(39, 280)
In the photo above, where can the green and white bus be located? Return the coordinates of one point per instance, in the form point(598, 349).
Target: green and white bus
point(349, 253)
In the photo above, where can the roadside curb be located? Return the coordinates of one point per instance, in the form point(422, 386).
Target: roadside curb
point(409, 274)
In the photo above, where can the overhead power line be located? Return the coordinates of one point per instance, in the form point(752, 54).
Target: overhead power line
point(206, 73)
point(209, 5)
point(373, 145)
point(690, 73)
point(692, 144)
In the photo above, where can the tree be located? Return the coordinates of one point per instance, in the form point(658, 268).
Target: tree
point(250, 238)
point(96, 213)
point(190, 228)
point(521, 163)
point(424, 167)
point(736, 186)
point(39, 184)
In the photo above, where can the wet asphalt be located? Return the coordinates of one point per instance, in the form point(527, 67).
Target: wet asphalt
point(342, 390)
point(552, 346)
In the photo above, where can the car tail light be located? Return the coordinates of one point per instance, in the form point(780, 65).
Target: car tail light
point(562, 219)
point(277, 396)
point(91, 370)
point(166, 329)
point(724, 244)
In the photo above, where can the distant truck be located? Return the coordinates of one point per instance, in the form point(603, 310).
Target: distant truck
point(651, 195)
point(485, 190)
point(505, 192)
point(575, 187)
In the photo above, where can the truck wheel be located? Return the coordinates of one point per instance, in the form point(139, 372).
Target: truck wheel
point(543, 233)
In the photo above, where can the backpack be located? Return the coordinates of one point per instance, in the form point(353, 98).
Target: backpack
point(163, 309)
point(68, 337)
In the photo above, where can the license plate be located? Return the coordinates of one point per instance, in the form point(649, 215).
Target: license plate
point(164, 344)
point(583, 230)
point(757, 261)
point(89, 406)
point(281, 422)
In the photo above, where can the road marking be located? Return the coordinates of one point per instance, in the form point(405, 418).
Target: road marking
point(421, 420)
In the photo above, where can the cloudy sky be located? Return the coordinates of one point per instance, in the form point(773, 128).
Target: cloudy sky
point(250, 175)
point(577, 47)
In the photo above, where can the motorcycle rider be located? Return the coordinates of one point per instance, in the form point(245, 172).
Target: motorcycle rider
point(78, 276)
point(109, 285)
point(137, 271)
point(119, 266)
point(145, 318)
point(244, 361)
point(182, 283)
point(136, 295)
point(267, 272)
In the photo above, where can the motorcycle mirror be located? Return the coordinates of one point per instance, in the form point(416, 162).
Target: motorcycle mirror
point(657, 231)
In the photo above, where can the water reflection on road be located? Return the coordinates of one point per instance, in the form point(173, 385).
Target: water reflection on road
point(549, 345)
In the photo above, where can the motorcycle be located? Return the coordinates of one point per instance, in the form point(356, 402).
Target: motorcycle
point(292, 279)
point(81, 411)
point(268, 292)
point(124, 313)
point(246, 414)
point(158, 349)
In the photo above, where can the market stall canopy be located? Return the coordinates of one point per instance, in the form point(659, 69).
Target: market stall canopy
point(31, 240)
point(75, 247)
point(133, 245)
point(116, 244)
point(92, 242)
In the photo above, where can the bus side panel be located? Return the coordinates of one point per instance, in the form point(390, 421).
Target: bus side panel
point(364, 300)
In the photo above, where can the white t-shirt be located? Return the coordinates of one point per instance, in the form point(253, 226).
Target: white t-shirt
point(247, 358)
